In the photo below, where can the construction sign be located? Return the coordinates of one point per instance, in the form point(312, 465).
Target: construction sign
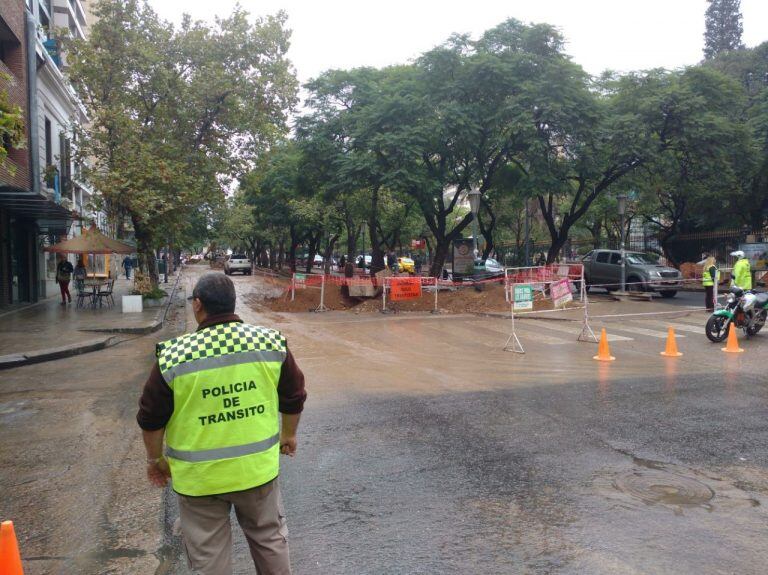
point(404, 288)
point(561, 292)
point(299, 281)
point(523, 296)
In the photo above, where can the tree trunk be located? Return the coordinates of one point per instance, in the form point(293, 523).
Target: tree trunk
point(313, 247)
point(557, 244)
point(487, 232)
point(292, 250)
point(439, 257)
point(377, 255)
point(353, 232)
point(327, 255)
point(281, 254)
point(147, 260)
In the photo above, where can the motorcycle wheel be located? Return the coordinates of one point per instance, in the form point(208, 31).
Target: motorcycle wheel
point(717, 328)
point(758, 325)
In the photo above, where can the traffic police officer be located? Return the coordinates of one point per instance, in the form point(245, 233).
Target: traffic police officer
point(215, 395)
point(741, 275)
point(710, 276)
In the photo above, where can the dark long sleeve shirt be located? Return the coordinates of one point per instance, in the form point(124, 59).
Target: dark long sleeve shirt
point(156, 403)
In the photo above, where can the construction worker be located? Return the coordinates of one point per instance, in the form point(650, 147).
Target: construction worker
point(215, 395)
point(741, 276)
point(710, 276)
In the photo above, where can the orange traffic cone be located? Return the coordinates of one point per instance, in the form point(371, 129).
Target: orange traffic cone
point(733, 344)
point(10, 560)
point(671, 349)
point(603, 351)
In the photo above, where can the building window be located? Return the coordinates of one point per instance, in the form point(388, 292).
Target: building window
point(48, 144)
point(9, 49)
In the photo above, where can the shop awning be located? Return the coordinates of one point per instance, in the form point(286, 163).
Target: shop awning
point(35, 206)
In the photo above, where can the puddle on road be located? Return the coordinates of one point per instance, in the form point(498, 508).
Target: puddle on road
point(10, 410)
point(677, 488)
point(660, 487)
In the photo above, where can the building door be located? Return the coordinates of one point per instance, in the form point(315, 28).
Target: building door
point(23, 270)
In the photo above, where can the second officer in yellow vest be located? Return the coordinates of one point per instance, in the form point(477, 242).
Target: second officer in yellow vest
point(216, 397)
point(710, 276)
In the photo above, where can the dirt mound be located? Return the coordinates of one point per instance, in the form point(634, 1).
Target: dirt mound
point(460, 300)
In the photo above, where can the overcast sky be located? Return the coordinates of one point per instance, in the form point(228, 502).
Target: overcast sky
point(619, 35)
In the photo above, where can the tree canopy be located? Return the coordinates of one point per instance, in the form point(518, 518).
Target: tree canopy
point(723, 22)
point(177, 114)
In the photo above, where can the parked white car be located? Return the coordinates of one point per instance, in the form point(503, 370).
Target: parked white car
point(237, 263)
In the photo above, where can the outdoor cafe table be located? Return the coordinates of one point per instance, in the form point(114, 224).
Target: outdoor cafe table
point(95, 284)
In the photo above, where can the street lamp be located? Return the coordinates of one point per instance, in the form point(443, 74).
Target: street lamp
point(474, 205)
point(622, 198)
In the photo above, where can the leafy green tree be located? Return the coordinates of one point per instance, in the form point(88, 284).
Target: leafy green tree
point(749, 68)
point(177, 113)
point(705, 153)
point(724, 28)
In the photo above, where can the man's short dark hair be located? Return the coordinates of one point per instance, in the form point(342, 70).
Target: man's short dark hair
point(216, 292)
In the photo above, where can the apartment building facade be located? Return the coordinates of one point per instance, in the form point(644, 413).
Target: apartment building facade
point(43, 198)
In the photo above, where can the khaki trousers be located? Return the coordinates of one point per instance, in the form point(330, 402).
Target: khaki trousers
point(207, 532)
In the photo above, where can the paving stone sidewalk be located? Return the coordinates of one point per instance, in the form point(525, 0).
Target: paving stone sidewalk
point(48, 330)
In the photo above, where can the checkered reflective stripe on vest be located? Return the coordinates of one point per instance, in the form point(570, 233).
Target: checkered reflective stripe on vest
point(224, 432)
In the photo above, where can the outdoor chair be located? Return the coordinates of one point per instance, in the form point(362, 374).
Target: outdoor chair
point(105, 294)
point(83, 293)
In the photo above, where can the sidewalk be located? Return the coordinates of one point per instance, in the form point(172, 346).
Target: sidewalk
point(48, 330)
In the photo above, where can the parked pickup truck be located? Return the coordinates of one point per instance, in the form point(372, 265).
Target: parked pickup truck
point(602, 268)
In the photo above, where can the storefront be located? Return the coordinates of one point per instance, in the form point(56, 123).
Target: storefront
point(27, 222)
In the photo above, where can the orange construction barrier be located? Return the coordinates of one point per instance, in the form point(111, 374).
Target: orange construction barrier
point(733, 343)
point(10, 560)
point(671, 349)
point(603, 351)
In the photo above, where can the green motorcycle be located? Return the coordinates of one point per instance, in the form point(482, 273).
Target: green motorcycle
point(745, 310)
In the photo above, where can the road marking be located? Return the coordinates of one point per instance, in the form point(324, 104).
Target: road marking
point(697, 329)
point(527, 334)
point(630, 328)
point(699, 322)
point(574, 329)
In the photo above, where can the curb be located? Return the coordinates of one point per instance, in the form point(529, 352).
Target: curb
point(96, 344)
point(142, 330)
point(53, 353)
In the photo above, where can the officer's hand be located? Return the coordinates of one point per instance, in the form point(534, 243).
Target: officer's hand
point(288, 445)
point(159, 473)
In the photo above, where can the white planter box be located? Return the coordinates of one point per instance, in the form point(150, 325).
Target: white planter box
point(132, 304)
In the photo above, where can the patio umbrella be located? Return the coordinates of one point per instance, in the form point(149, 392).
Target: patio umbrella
point(91, 242)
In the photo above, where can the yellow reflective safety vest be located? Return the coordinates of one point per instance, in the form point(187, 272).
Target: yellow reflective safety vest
point(706, 279)
point(741, 274)
point(224, 432)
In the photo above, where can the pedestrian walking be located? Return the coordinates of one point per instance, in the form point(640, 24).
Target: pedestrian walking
point(417, 263)
point(710, 276)
point(127, 266)
point(64, 270)
point(342, 262)
point(80, 273)
point(214, 396)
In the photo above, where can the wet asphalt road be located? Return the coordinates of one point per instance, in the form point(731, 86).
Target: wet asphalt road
point(424, 448)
